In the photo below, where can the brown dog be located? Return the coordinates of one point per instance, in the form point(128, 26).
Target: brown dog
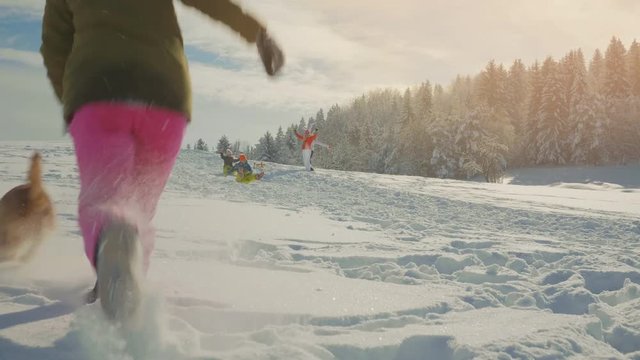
point(26, 216)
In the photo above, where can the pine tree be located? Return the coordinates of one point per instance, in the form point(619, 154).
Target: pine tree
point(438, 99)
point(633, 68)
point(536, 85)
point(587, 138)
point(266, 149)
point(281, 146)
point(201, 145)
point(492, 93)
point(586, 120)
point(407, 134)
point(469, 139)
point(424, 101)
point(444, 161)
point(291, 143)
point(517, 93)
point(492, 87)
point(551, 121)
point(236, 147)
point(596, 72)
point(568, 72)
point(320, 119)
point(616, 86)
point(311, 124)
point(223, 144)
point(492, 159)
point(633, 115)
point(461, 96)
point(616, 95)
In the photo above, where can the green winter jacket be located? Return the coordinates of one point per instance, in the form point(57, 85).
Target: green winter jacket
point(128, 50)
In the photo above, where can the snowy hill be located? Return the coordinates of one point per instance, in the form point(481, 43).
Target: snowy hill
point(343, 265)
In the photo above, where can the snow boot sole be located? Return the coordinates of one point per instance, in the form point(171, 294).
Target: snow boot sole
point(119, 269)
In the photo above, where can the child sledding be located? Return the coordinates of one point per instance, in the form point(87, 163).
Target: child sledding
point(244, 172)
point(229, 160)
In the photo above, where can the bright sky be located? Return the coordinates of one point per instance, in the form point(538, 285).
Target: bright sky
point(335, 50)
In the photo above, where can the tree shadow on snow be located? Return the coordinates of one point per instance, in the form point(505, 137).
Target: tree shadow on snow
point(66, 348)
point(62, 300)
point(627, 177)
point(39, 313)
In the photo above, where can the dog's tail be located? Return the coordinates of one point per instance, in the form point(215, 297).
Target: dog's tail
point(35, 174)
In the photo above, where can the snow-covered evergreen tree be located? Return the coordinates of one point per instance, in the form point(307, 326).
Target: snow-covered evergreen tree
point(492, 159)
point(200, 145)
point(586, 120)
point(596, 72)
point(517, 95)
point(223, 144)
point(267, 149)
point(444, 160)
point(632, 114)
point(616, 85)
point(492, 87)
point(616, 93)
point(587, 139)
point(438, 99)
point(633, 68)
point(469, 139)
point(461, 98)
point(281, 146)
point(408, 135)
point(319, 120)
point(424, 101)
point(551, 118)
point(536, 85)
point(311, 124)
point(291, 146)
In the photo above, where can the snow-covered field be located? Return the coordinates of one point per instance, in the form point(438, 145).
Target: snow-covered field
point(344, 265)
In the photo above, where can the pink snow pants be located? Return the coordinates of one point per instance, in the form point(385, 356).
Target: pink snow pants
point(125, 154)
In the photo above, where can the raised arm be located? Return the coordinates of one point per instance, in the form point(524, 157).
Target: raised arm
point(57, 40)
point(300, 137)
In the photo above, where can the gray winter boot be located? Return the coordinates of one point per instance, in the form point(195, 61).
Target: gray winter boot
point(119, 270)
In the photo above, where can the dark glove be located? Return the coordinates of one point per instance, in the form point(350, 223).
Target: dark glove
point(271, 55)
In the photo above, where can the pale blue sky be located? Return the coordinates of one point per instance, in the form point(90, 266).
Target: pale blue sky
point(335, 49)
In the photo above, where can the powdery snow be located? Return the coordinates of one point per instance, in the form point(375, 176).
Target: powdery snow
point(344, 265)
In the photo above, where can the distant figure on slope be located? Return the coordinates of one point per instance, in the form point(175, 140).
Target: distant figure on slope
point(308, 142)
point(244, 171)
point(229, 160)
point(119, 69)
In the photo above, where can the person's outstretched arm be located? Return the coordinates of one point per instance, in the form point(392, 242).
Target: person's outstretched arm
point(231, 15)
point(57, 40)
point(317, 142)
point(247, 26)
point(300, 137)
